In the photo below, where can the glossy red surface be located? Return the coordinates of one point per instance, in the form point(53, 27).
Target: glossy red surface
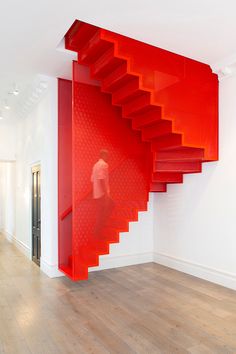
point(170, 106)
point(96, 124)
point(64, 171)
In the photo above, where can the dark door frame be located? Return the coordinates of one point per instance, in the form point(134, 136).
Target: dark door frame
point(36, 213)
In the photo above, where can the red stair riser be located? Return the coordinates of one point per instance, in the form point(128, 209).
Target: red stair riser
point(136, 106)
point(79, 36)
point(105, 64)
point(168, 141)
point(158, 187)
point(151, 116)
point(116, 78)
point(181, 154)
point(101, 248)
point(94, 49)
point(167, 177)
point(126, 92)
point(176, 166)
point(160, 128)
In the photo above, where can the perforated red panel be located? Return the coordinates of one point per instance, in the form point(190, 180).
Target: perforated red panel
point(96, 125)
point(64, 171)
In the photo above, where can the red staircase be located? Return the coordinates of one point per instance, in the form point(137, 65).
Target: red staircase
point(170, 100)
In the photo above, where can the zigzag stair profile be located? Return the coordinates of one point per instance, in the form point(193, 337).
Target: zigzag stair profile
point(163, 96)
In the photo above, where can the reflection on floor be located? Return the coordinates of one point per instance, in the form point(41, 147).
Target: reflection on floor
point(138, 309)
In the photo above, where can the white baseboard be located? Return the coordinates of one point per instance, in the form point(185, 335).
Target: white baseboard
point(51, 270)
point(211, 274)
point(22, 247)
point(108, 262)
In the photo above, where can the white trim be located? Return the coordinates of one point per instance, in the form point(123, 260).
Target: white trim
point(225, 68)
point(213, 275)
point(51, 270)
point(31, 166)
point(198, 270)
point(22, 247)
point(108, 262)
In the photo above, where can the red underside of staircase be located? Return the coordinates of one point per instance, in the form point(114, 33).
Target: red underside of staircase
point(157, 114)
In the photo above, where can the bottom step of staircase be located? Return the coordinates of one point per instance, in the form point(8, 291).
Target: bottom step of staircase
point(158, 187)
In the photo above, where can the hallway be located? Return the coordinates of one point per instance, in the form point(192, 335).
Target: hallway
point(138, 309)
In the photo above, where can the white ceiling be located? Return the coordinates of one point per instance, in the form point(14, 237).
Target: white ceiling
point(31, 30)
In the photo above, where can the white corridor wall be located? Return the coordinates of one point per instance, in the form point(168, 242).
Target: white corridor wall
point(7, 199)
point(37, 144)
point(195, 223)
point(7, 141)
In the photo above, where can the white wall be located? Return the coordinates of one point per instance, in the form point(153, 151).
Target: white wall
point(195, 223)
point(2, 196)
point(135, 246)
point(37, 144)
point(7, 141)
point(7, 198)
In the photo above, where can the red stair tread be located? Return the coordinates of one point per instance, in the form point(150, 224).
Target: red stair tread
point(178, 166)
point(104, 64)
point(167, 177)
point(136, 106)
point(151, 116)
point(78, 35)
point(158, 187)
point(119, 223)
point(116, 78)
point(127, 92)
point(157, 129)
point(168, 141)
point(93, 49)
point(180, 154)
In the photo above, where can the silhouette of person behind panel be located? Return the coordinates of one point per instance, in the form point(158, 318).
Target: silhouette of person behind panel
point(101, 193)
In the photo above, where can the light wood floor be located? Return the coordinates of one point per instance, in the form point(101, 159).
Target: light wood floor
point(138, 309)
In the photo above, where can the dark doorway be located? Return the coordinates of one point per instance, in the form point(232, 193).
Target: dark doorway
point(36, 215)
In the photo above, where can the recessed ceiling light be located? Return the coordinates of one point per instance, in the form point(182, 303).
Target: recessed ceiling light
point(38, 89)
point(6, 106)
point(15, 91)
point(35, 95)
point(226, 71)
point(43, 84)
point(1, 117)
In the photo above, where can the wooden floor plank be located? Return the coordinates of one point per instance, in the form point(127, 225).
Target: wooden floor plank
point(143, 309)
